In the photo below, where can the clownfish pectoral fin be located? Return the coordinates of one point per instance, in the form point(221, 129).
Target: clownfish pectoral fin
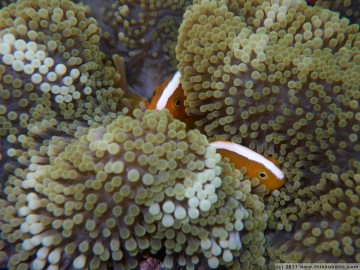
point(120, 76)
point(132, 100)
point(258, 166)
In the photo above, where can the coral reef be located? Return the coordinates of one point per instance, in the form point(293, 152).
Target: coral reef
point(282, 78)
point(131, 188)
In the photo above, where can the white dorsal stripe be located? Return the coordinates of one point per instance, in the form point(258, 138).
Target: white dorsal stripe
point(249, 154)
point(168, 91)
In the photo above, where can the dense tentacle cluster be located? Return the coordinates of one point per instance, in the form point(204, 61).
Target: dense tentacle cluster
point(232, 75)
point(89, 187)
point(4, 3)
point(282, 78)
point(51, 68)
point(347, 8)
point(145, 34)
point(328, 227)
point(51, 63)
point(131, 188)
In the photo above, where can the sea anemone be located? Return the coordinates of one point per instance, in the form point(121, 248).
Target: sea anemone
point(4, 3)
point(138, 186)
point(283, 79)
point(328, 228)
point(145, 34)
point(90, 182)
point(51, 68)
point(347, 8)
point(289, 105)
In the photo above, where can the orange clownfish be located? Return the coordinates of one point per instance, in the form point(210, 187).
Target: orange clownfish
point(170, 95)
point(257, 165)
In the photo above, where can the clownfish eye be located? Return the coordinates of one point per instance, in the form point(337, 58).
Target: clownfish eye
point(262, 174)
point(154, 93)
point(178, 102)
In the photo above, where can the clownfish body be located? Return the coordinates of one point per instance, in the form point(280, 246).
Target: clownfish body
point(170, 95)
point(257, 165)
